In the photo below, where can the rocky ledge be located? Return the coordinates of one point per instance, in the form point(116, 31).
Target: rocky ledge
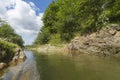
point(19, 56)
point(104, 42)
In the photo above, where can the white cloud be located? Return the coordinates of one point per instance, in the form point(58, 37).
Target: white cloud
point(22, 17)
point(34, 7)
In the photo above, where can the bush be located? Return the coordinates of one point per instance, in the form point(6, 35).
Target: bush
point(7, 50)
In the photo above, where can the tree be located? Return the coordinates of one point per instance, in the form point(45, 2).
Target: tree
point(9, 34)
point(68, 17)
point(43, 37)
point(49, 17)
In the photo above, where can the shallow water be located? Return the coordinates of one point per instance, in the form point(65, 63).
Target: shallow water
point(60, 67)
point(23, 71)
point(82, 67)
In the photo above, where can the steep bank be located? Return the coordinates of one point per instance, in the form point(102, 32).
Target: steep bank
point(9, 52)
point(26, 70)
point(105, 42)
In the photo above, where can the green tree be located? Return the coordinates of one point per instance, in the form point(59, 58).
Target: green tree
point(49, 17)
point(9, 34)
point(68, 17)
point(43, 37)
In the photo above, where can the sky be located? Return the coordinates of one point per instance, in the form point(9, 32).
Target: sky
point(24, 16)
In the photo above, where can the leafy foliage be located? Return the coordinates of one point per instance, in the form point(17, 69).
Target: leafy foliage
point(9, 41)
point(9, 34)
point(43, 37)
point(7, 50)
point(68, 17)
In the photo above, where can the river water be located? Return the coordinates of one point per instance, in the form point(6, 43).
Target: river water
point(23, 71)
point(80, 67)
point(40, 66)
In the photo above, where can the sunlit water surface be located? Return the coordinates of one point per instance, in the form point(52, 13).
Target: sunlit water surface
point(61, 67)
point(80, 67)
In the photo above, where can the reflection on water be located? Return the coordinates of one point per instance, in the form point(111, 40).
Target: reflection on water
point(82, 67)
point(23, 71)
point(59, 67)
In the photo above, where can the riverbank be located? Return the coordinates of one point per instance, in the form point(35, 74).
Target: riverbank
point(16, 59)
point(10, 54)
point(104, 43)
point(26, 70)
point(51, 49)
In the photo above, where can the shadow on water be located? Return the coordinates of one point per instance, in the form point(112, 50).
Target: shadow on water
point(82, 67)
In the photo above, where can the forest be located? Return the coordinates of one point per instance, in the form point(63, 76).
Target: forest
point(65, 19)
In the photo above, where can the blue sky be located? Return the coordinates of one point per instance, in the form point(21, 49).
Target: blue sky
point(24, 16)
point(42, 4)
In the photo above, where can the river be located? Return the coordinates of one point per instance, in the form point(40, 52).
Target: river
point(40, 66)
point(23, 71)
point(80, 67)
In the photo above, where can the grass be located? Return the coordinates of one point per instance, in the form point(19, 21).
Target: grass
point(7, 50)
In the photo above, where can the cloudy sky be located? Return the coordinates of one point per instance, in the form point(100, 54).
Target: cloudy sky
point(24, 16)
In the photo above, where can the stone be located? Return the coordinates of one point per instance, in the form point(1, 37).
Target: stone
point(15, 58)
point(105, 42)
point(2, 65)
point(19, 55)
point(112, 31)
point(93, 35)
point(22, 55)
point(117, 34)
